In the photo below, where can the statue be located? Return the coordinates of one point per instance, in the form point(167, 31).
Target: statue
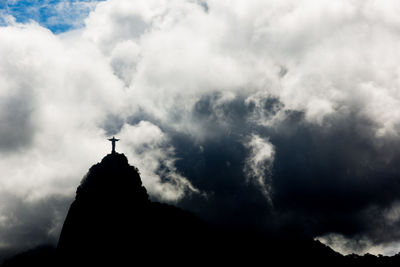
point(113, 140)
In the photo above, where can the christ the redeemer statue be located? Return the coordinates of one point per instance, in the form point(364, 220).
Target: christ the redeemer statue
point(113, 140)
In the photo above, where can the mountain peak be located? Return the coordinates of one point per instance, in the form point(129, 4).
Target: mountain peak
point(112, 216)
point(114, 178)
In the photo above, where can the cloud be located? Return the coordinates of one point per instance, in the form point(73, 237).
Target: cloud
point(259, 163)
point(149, 149)
point(26, 224)
point(51, 105)
point(361, 246)
point(298, 97)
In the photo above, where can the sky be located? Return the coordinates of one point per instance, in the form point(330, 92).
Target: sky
point(56, 15)
point(282, 116)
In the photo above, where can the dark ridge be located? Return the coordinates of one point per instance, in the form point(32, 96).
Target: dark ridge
point(44, 256)
point(112, 219)
point(112, 222)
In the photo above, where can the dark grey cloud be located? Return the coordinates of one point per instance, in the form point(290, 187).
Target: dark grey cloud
point(330, 178)
point(30, 223)
point(16, 115)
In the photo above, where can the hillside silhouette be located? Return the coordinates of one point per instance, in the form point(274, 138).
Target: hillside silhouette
point(113, 222)
point(112, 216)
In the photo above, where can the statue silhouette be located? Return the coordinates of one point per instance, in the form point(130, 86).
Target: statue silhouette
point(113, 140)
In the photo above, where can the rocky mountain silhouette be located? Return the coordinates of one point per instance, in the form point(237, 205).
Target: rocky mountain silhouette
point(113, 222)
point(112, 217)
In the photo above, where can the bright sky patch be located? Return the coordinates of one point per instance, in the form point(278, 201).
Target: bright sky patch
point(56, 15)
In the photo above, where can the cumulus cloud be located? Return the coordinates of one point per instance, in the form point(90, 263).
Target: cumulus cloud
point(148, 148)
point(52, 106)
point(311, 87)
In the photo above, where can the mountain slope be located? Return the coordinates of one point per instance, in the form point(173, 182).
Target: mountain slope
point(112, 216)
point(113, 222)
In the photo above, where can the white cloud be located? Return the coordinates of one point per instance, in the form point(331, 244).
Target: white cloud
point(360, 246)
point(52, 107)
point(147, 147)
point(67, 12)
point(258, 164)
point(171, 52)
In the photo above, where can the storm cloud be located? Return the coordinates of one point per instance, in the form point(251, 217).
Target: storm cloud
point(278, 115)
